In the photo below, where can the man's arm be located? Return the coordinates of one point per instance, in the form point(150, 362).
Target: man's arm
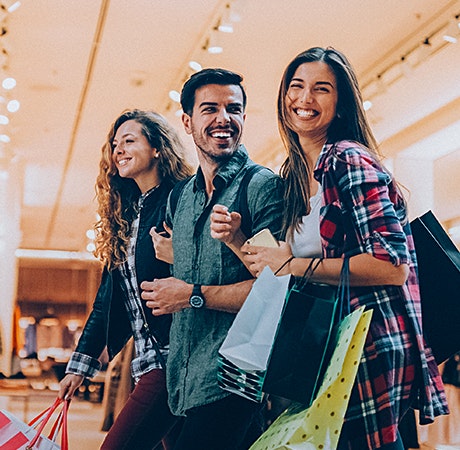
point(168, 295)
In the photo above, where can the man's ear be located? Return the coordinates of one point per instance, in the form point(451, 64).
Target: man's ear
point(186, 120)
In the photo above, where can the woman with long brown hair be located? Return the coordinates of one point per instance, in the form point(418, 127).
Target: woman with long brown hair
point(341, 202)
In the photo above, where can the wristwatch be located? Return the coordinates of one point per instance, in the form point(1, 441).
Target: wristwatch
point(197, 300)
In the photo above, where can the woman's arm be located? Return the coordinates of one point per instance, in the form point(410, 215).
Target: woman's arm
point(365, 269)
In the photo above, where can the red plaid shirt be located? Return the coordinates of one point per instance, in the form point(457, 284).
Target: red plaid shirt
point(363, 212)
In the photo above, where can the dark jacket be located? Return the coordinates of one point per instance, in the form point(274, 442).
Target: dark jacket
point(108, 323)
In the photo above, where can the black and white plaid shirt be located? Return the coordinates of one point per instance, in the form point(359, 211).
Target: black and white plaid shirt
point(146, 357)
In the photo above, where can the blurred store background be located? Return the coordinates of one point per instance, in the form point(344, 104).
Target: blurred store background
point(67, 68)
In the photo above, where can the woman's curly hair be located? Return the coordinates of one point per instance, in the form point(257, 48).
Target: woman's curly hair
point(117, 196)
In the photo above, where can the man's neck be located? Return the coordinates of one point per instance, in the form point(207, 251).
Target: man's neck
point(209, 168)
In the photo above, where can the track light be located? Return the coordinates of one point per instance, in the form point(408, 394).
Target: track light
point(225, 23)
point(214, 46)
point(174, 96)
point(452, 30)
point(194, 65)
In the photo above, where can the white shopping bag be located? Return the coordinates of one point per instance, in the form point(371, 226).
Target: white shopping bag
point(250, 338)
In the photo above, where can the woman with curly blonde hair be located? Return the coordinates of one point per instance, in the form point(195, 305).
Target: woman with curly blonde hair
point(141, 161)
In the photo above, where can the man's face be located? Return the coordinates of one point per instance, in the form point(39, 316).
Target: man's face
point(217, 119)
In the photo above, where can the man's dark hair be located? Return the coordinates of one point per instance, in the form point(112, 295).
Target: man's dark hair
point(205, 77)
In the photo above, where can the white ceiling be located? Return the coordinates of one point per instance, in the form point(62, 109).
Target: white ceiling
point(79, 63)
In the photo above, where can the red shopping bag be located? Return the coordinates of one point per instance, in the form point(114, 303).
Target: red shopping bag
point(17, 435)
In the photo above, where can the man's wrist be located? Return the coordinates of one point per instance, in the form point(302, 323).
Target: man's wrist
point(197, 300)
point(238, 240)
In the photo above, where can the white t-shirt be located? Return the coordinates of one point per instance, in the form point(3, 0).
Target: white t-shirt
point(306, 242)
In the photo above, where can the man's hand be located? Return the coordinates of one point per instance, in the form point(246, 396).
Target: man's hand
point(225, 225)
point(166, 295)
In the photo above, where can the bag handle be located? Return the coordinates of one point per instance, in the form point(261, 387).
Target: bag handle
point(61, 421)
point(312, 266)
point(344, 289)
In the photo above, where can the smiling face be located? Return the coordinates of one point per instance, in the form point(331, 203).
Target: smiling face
point(134, 157)
point(311, 100)
point(217, 119)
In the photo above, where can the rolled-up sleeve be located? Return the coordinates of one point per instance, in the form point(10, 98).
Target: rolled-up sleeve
point(81, 364)
point(364, 190)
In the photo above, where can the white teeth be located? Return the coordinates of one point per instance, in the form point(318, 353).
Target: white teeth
point(122, 162)
point(305, 112)
point(221, 134)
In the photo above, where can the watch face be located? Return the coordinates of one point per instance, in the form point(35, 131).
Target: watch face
point(196, 301)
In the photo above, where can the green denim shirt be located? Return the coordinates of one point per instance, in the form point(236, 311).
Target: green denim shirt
point(196, 335)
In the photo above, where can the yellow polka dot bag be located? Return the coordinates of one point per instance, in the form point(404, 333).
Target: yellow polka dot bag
point(318, 426)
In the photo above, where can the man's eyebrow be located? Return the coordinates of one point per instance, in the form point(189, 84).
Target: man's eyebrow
point(215, 104)
point(208, 104)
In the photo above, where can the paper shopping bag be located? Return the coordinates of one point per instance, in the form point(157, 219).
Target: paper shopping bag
point(244, 353)
point(304, 341)
point(319, 426)
point(439, 277)
point(17, 435)
point(300, 352)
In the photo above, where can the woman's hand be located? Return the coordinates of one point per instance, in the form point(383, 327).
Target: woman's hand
point(258, 257)
point(162, 242)
point(69, 384)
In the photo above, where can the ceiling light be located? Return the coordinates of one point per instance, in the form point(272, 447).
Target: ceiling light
point(174, 96)
point(9, 83)
point(4, 120)
point(225, 23)
point(215, 49)
point(452, 30)
point(5, 138)
point(367, 105)
point(214, 46)
point(13, 105)
point(226, 27)
point(91, 234)
point(194, 65)
point(14, 6)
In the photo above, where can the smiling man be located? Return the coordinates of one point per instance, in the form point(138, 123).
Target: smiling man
point(210, 283)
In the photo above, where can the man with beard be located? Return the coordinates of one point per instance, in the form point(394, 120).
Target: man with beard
point(210, 283)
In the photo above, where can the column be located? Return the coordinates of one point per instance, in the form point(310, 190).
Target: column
point(11, 182)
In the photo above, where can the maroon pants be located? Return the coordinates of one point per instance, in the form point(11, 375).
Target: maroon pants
point(145, 421)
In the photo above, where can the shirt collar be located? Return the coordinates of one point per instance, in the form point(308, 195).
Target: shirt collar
point(143, 197)
point(321, 161)
point(226, 173)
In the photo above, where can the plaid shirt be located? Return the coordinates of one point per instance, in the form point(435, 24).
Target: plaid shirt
point(146, 357)
point(362, 212)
